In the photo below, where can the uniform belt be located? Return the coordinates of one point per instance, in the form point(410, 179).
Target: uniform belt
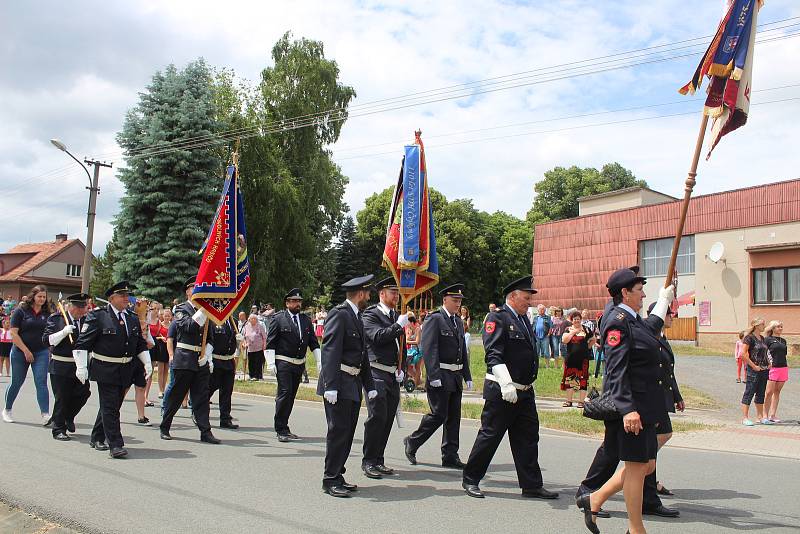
point(223, 356)
point(521, 387)
point(295, 361)
point(381, 367)
point(349, 369)
point(67, 359)
point(186, 346)
point(451, 366)
point(109, 359)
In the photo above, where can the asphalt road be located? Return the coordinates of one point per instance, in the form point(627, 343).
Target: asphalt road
point(253, 483)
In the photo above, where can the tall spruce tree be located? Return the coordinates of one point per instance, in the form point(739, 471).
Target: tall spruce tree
point(348, 261)
point(170, 195)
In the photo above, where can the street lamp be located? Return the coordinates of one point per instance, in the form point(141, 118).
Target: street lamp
point(93, 190)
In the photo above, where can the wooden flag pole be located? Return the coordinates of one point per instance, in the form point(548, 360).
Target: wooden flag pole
point(64, 314)
point(690, 182)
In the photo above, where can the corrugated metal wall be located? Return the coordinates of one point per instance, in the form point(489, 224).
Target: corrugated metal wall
point(573, 258)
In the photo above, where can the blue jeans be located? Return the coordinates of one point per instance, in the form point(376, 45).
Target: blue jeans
point(543, 346)
point(167, 391)
point(19, 371)
point(555, 346)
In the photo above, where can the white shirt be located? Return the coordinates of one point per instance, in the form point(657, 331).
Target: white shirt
point(116, 316)
point(355, 308)
point(385, 309)
point(629, 310)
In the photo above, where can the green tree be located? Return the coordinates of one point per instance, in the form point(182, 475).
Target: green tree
point(170, 195)
point(348, 261)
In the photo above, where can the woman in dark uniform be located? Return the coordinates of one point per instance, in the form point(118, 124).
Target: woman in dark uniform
point(634, 378)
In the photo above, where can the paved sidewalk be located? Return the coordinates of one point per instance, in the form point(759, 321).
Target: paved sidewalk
point(19, 522)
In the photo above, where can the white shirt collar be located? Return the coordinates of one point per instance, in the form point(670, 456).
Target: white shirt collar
point(116, 311)
point(449, 315)
point(628, 309)
point(353, 306)
point(509, 308)
point(384, 308)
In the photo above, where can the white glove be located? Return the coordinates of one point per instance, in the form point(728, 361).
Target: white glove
point(400, 375)
point(402, 320)
point(239, 337)
point(331, 396)
point(210, 364)
point(81, 358)
point(503, 377)
point(199, 317)
point(207, 356)
point(318, 359)
point(270, 356)
point(371, 394)
point(144, 357)
point(436, 383)
point(469, 384)
point(59, 336)
point(665, 297)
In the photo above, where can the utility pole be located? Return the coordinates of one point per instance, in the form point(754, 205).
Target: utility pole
point(94, 190)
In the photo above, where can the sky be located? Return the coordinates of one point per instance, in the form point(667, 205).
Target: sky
point(71, 70)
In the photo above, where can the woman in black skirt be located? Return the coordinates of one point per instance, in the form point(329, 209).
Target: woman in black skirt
point(634, 376)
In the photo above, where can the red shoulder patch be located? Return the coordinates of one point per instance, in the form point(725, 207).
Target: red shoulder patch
point(613, 338)
point(490, 326)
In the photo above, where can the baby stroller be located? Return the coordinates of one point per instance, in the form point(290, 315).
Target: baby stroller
point(413, 366)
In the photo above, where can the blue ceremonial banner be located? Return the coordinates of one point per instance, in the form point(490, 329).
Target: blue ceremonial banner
point(223, 278)
point(412, 209)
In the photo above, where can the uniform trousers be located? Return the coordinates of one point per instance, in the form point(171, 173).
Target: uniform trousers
point(342, 420)
point(222, 380)
point(521, 421)
point(289, 376)
point(70, 396)
point(106, 426)
point(445, 412)
point(197, 384)
point(381, 411)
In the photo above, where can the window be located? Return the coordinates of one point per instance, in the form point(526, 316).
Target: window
point(73, 270)
point(776, 285)
point(654, 256)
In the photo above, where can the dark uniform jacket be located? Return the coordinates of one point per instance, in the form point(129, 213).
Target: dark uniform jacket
point(101, 333)
point(222, 338)
point(189, 332)
point(283, 338)
point(672, 394)
point(635, 364)
point(444, 343)
point(383, 343)
point(507, 341)
point(343, 344)
point(56, 323)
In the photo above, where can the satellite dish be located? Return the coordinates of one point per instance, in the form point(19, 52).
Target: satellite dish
point(716, 252)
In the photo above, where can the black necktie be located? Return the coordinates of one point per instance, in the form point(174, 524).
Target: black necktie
point(453, 320)
point(122, 324)
point(297, 323)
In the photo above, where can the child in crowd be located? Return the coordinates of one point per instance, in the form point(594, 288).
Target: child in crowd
point(737, 353)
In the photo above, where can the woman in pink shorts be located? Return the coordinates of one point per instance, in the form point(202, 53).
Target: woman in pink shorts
point(778, 370)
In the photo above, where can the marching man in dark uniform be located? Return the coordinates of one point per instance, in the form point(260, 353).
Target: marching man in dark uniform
point(222, 348)
point(384, 331)
point(70, 393)
point(191, 366)
point(345, 371)
point(288, 340)
point(114, 337)
point(444, 350)
point(510, 402)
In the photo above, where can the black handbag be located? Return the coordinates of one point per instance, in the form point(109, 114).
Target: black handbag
point(600, 407)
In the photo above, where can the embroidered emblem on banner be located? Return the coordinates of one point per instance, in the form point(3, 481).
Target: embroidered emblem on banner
point(613, 338)
point(490, 325)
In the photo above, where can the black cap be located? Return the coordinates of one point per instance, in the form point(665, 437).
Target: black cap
point(523, 284)
point(78, 299)
point(455, 290)
point(294, 294)
point(361, 282)
point(189, 282)
point(120, 287)
point(623, 278)
point(386, 283)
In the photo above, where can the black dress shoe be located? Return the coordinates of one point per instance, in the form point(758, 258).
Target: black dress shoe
point(384, 470)
point(539, 493)
point(118, 452)
point(283, 438)
point(600, 513)
point(472, 490)
point(454, 463)
point(292, 437)
point(229, 424)
point(661, 511)
point(336, 491)
point(208, 437)
point(61, 437)
point(348, 486)
point(165, 435)
point(98, 445)
point(585, 504)
point(371, 472)
point(71, 426)
point(412, 457)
